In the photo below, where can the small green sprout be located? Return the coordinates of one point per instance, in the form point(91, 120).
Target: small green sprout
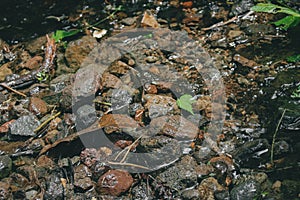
point(185, 103)
point(296, 93)
point(59, 35)
point(42, 76)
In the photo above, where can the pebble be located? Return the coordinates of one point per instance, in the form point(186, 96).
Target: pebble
point(5, 166)
point(37, 106)
point(114, 182)
point(247, 190)
point(5, 192)
point(24, 126)
point(78, 50)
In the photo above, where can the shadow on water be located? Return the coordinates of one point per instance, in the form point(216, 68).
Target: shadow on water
point(270, 106)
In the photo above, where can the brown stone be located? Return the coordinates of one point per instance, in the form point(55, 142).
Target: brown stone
point(110, 81)
point(114, 182)
point(116, 122)
point(78, 50)
point(34, 63)
point(37, 106)
point(4, 128)
point(174, 126)
point(4, 71)
point(149, 20)
point(44, 161)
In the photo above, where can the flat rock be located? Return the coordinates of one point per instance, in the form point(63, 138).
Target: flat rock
point(78, 50)
point(158, 105)
point(174, 126)
point(117, 122)
point(24, 126)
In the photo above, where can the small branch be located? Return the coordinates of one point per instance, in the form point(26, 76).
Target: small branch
point(46, 122)
point(274, 137)
point(128, 164)
point(219, 24)
point(129, 148)
point(31, 77)
point(13, 90)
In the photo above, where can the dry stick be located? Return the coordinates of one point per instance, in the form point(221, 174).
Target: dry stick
point(220, 24)
point(129, 148)
point(128, 164)
point(13, 90)
point(227, 22)
point(31, 77)
point(274, 137)
point(46, 122)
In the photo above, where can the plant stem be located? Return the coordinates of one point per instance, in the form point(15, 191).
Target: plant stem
point(274, 138)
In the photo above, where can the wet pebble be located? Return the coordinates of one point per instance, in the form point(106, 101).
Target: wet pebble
point(251, 151)
point(158, 105)
point(5, 192)
point(37, 106)
point(82, 178)
point(141, 192)
point(208, 187)
point(86, 116)
point(114, 182)
point(5, 166)
point(247, 190)
point(182, 175)
point(60, 82)
point(24, 126)
point(78, 50)
point(191, 194)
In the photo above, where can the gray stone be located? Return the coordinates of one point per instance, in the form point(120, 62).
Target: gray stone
point(247, 190)
point(5, 166)
point(24, 126)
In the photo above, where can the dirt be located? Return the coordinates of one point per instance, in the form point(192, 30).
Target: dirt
point(96, 115)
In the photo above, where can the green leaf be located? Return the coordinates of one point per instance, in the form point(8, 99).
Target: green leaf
point(294, 58)
point(61, 34)
point(287, 22)
point(272, 8)
point(185, 102)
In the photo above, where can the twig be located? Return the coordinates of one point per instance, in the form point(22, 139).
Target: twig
point(128, 164)
point(228, 21)
point(220, 24)
point(129, 148)
point(274, 138)
point(46, 122)
point(13, 90)
point(31, 77)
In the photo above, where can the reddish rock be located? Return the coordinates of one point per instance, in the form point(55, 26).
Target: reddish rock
point(114, 182)
point(37, 106)
point(174, 126)
point(149, 20)
point(117, 122)
point(45, 161)
point(78, 50)
point(34, 63)
point(4, 128)
point(110, 81)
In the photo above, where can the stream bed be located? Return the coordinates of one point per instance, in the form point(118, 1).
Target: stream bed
point(148, 99)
